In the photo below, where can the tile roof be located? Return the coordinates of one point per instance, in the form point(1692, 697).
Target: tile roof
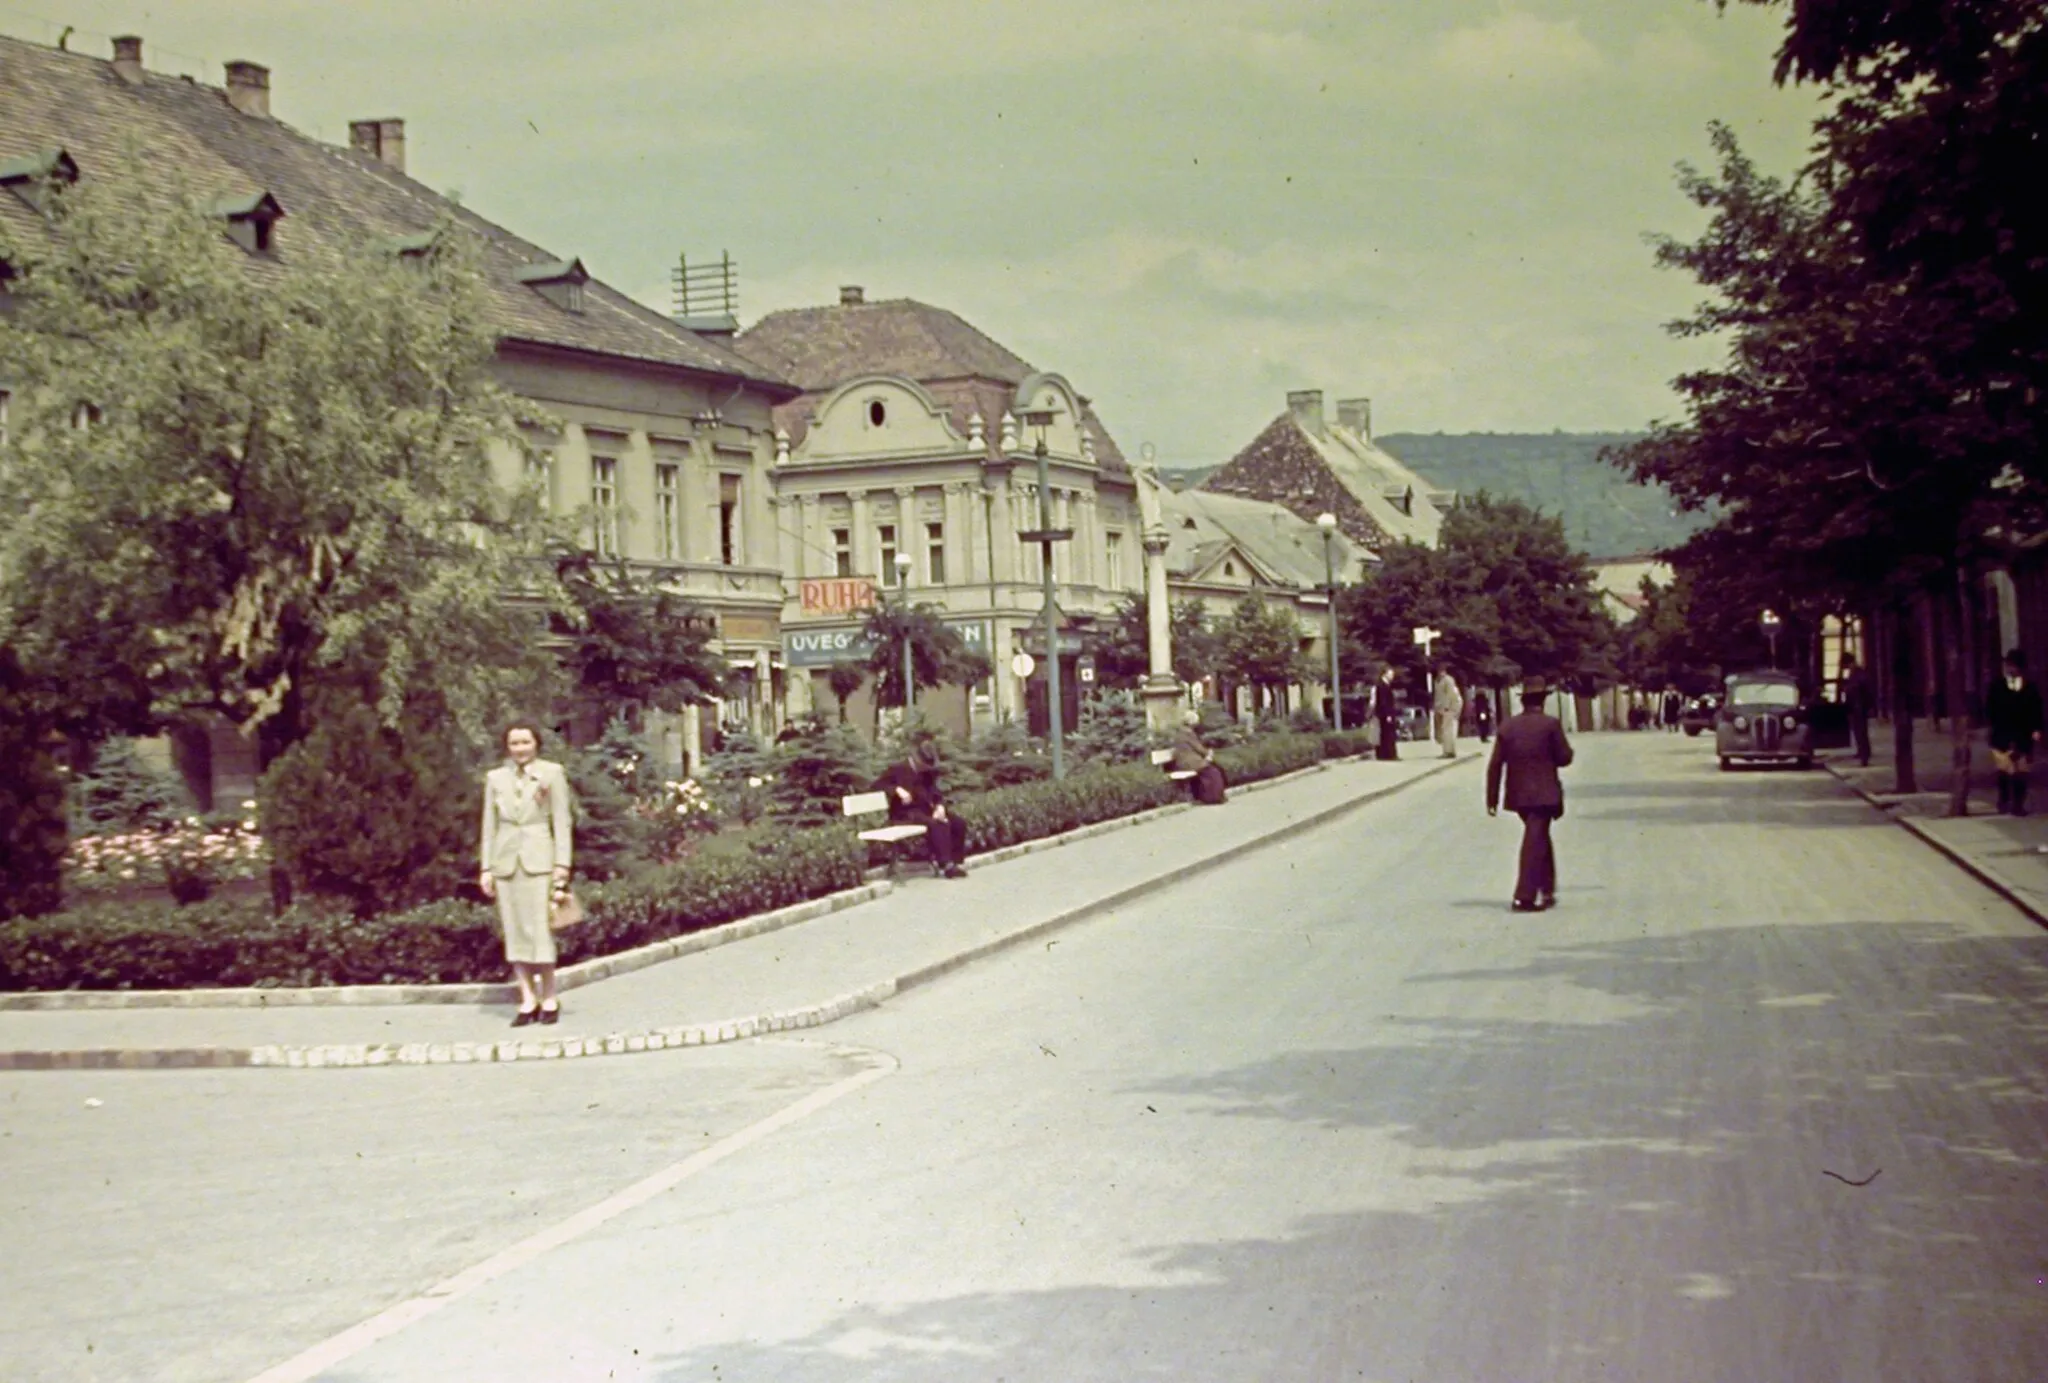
point(1340, 473)
point(964, 368)
point(1286, 548)
point(333, 198)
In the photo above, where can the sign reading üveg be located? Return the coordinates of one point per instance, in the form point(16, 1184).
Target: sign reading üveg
point(824, 647)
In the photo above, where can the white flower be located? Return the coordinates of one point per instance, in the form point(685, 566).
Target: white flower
point(248, 804)
point(753, 782)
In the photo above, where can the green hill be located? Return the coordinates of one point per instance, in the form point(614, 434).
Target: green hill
point(1605, 514)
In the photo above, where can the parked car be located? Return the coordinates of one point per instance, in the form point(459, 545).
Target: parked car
point(1699, 713)
point(1764, 719)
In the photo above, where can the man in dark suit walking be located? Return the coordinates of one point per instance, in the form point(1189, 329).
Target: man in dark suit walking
point(1530, 751)
point(2013, 708)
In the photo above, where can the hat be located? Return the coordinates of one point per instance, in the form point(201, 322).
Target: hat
point(1535, 686)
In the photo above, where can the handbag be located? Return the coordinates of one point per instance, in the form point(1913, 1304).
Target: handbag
point(566, 911)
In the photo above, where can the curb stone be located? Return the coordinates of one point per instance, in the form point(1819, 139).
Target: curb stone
point(1981, 873)
point(328, 1055)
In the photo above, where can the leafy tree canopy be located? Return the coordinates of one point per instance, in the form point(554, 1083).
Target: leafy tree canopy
point(634, 646)
point(938, 655)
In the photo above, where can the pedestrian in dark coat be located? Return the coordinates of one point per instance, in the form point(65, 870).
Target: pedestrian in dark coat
point(1386, 708)
point(1671, 709)
point(1482, 714)
point(915, 799)
point(1856, 701)
point(1528, 754)
point(2012, 707)
point(1190, 755)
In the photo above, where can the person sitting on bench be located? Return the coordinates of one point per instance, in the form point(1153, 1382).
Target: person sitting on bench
point(915, 799)
point(1190, 755)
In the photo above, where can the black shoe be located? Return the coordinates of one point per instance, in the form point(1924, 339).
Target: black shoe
point(525, 1016)
point(551, 1015)
point(956, 871)
point(1521, 905)
point(1545, 902)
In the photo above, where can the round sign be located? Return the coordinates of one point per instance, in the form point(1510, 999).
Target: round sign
point(1023, 664)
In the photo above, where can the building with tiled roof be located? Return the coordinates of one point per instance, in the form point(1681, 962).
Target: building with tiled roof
point(665, 437)
point(905, 442)
point(1312, 464)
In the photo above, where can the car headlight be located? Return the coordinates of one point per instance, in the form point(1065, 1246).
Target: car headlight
point(1791, 722)
point(1742, 722)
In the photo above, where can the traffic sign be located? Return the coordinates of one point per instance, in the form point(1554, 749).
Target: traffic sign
point(1084, 668)
point(1023, 664)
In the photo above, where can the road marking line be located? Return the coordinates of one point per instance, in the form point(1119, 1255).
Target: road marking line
point(313, 1362)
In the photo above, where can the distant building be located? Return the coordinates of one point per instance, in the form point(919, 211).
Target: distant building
point(1619, 581)
point(906, 442)
point(1312, 465)
point(665, 445)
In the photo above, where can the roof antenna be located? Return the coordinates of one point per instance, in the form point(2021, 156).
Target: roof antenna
point(64, 39)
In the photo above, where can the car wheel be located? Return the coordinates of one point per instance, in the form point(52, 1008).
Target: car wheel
point(1726, 763)
point(1692, 731)
point(1805, 762)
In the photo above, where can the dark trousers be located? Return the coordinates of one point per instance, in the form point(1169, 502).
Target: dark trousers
point(1859, 734)
point(946, 839)
point(1390, 739)
point(1538, 873)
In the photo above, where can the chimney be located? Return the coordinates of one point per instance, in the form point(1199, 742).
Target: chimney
point(249, 88)
point(1307, 407)
point(382, 140)
point(1356, 415)
point(128, 59)
point(852, 295)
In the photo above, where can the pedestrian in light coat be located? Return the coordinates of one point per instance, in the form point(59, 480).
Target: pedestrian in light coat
point(526, 851)
point(1528, 754)
point(1447, 705)
point(2012, 707)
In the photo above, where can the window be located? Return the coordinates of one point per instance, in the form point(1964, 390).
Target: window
point(540, 473)
point(604, 504)
point(842, 552)
point(885, 539)
point(878, 413)
point(935, 553)
point(668, 510)
point(1113, 561)
point(731, 547)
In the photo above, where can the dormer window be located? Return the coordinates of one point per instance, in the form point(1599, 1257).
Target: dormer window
point(29, 177)
point(415, 249)
point(250, 220)
point(560, 282)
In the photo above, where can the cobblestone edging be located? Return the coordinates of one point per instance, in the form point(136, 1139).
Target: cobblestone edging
point(1982, 873)
point(348, 1055)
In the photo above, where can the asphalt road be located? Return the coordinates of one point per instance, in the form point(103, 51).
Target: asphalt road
point(1762, 1100)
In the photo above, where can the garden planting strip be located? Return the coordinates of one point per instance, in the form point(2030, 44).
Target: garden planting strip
point(664, 1038)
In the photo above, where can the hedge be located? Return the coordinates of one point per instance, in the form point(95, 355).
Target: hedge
point(237, 942)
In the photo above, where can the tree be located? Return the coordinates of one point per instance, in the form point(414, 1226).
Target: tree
point(634, 646)
point(239, 484)
point(938, 655)
point(1123, 650)
point(1528, 592)
point(845, 678)
point(1414, 586)
point(1260, 645)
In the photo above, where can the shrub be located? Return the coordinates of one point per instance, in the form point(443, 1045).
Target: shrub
point(1003, 756)
point(628, 759)
point(816, 771)
point(1217, 729)
point(1307, 722)
point(1269, 756)
point(378, 816)
point(126, 790)
point(611, 837)
point(1030, 811)
point(1348, 743)
point(1112, 730)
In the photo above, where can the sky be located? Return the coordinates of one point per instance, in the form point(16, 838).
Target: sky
point(1188, 208)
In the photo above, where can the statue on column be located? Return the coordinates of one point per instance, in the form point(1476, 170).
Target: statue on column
point(1162, 690)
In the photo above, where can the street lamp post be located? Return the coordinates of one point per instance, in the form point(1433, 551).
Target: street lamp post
point(903, 564)
point(1328, 523)
point(1045, 535)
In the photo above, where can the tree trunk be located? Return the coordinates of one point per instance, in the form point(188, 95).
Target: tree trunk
point(1900, 638)
point(1958, 644)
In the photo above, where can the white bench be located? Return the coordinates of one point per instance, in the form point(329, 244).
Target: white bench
point(868, 803)
point(1163, 757)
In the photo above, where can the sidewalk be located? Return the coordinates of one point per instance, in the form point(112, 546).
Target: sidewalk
point(800, 976)
point(2008, 853)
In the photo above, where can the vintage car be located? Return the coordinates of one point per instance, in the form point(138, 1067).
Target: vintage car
point(1764, 719)
point(1699, 712)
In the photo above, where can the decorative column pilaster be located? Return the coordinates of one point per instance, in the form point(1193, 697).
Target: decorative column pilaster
point(864, 563)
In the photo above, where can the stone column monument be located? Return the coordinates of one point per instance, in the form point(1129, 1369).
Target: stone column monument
point(1162, 690)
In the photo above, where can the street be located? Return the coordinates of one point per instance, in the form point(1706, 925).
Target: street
point(1763, 1099)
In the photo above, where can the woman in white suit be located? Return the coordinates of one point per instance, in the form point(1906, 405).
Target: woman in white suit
point(526, 852)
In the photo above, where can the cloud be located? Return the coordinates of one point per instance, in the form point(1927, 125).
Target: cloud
point(1520, 49)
